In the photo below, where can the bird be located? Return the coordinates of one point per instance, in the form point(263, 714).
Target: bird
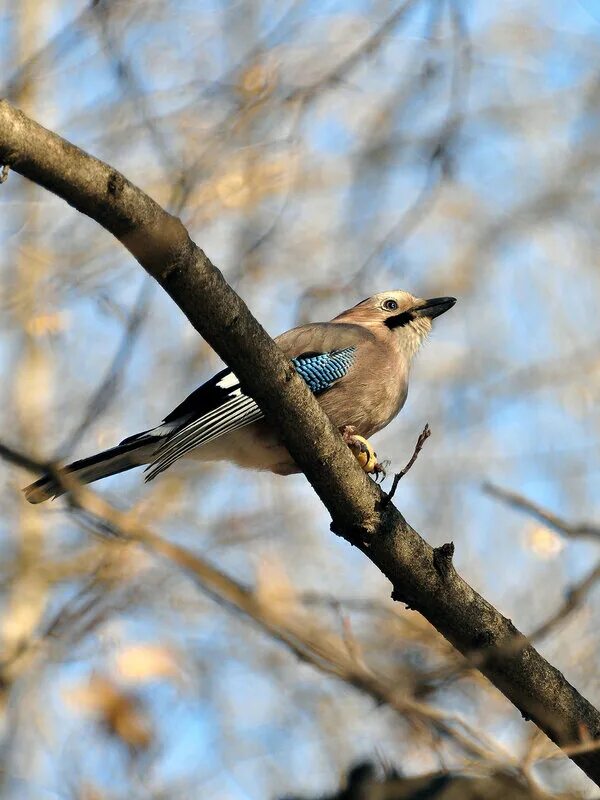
point(357, 365)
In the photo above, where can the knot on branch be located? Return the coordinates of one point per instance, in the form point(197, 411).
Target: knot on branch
point(288, 372)
point(115, 184)
point(401, 596)
point(357, 535)
point(442, 559)
point(231, 322)
point(483, 640)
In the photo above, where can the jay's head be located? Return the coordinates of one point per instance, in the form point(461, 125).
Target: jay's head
point(399, 314)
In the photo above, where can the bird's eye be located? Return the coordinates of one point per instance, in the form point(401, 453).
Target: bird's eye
point(390, 305)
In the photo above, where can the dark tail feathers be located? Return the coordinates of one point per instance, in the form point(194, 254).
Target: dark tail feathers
point(132, 452)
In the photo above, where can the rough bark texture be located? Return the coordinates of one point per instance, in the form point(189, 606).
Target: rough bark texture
point(422, 577)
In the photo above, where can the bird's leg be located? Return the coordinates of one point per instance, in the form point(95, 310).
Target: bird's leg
point(362, 450)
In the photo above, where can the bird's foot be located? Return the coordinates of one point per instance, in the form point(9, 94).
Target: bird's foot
point(363, 451)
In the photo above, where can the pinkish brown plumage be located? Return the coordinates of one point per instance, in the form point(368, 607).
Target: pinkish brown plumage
point(358, 364)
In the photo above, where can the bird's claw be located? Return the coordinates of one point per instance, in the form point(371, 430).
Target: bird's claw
point(363, 452)
point(380, 471)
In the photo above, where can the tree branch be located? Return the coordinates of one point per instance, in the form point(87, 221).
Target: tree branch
point(583, 530)
point(423, 436)
point(310, 641)
point(421, 576)
point(575, 596)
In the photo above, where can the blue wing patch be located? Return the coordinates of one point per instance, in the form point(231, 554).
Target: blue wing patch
point(322, 370)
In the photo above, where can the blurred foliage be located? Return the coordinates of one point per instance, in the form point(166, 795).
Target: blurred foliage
point(318, 153)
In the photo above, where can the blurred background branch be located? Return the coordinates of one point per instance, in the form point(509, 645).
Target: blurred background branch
point(583, 530)
point(459, 156)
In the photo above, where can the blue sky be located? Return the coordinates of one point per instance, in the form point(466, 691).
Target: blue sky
point(530, 299)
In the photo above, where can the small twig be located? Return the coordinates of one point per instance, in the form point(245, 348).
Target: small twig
point(574, 599)
point(584, 747)
point(423, 436)
point(558, 524)
point(576, 594)
point(15, 457)
point(4, 170)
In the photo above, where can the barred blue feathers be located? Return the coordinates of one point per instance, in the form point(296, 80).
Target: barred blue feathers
point(322, 370)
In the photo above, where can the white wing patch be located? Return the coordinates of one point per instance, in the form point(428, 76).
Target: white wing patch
point(229, 381)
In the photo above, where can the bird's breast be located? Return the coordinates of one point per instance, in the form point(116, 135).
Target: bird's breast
point(368, 403)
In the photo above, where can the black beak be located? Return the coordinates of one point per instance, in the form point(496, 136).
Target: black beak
point(434, 307)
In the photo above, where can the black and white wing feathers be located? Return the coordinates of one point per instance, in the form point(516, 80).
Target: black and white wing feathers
point(220, 406)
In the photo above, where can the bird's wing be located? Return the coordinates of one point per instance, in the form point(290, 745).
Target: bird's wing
point(322, 337)
point(220, 405)
point(217, 407)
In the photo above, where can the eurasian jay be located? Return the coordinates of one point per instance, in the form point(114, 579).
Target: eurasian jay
point(357, 365)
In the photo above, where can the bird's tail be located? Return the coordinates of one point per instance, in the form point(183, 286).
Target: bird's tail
point(132, 452)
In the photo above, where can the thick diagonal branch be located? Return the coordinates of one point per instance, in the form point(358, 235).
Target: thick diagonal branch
point(422, 577)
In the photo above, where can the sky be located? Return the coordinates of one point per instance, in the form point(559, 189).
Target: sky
point(530, 300)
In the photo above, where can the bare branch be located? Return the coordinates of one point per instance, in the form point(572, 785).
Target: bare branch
point(305, 637)
point(574, 599)
point(423, 578)
point(423, 436)
point(355, 56)
point(583, 530)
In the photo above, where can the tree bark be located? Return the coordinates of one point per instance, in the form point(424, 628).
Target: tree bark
point(421, 576)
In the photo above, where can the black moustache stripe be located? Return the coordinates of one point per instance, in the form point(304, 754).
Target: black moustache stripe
point(399, 320)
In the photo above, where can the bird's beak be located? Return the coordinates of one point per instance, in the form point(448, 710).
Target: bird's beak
point(434, 307)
